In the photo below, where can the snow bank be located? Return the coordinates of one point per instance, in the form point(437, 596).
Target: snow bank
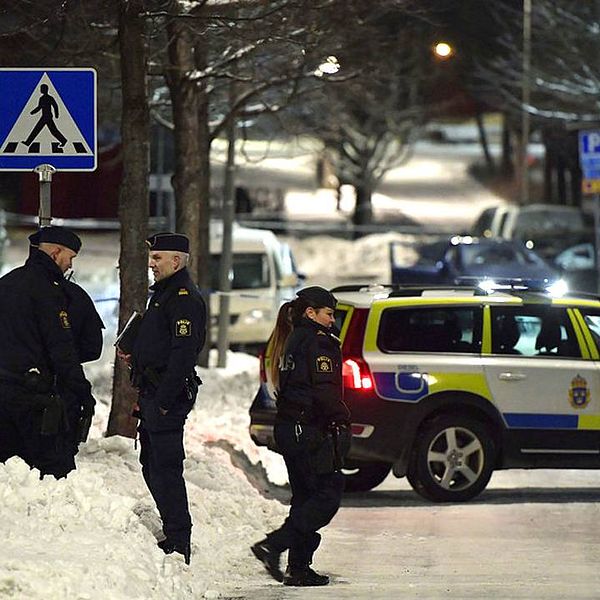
point(94, 534)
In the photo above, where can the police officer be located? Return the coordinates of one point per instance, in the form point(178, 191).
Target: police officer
point(311, 431)
point(86, 328)
point(170, 337)
point(38, 350)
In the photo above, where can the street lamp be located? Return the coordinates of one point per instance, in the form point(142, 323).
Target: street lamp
point(443, 50)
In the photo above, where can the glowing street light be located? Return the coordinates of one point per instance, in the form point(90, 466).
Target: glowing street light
point(443, 50)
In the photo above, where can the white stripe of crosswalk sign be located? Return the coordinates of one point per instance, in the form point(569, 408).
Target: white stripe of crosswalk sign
point(45, 126)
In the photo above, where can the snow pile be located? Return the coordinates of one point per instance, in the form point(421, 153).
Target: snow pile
point(94, 534)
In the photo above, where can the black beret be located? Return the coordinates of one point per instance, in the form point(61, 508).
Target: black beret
point(173, 242)
point(56, 235)
point(317, 297)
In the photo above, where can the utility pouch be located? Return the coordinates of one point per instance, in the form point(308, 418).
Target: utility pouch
point(54, 418)
point(321, 450)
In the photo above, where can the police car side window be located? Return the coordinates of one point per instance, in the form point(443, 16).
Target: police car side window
point(592, 320)
point(430, 329)
point(533, 331)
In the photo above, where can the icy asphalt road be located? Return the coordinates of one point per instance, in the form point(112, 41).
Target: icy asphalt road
point(530, 535)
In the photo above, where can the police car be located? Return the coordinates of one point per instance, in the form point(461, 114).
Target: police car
point(447, 384)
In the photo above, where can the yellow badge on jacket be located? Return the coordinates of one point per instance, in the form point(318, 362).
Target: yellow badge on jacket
point(324, 364)
point(183, 328)
point(64, 319)
point(183, 292)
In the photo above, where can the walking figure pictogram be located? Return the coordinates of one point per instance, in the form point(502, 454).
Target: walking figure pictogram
point(47, 104)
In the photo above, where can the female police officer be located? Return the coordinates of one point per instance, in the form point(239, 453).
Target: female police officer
point(311, 430)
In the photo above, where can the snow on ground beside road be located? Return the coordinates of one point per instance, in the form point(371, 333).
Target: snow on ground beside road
point(93, 535)
point(329, 261)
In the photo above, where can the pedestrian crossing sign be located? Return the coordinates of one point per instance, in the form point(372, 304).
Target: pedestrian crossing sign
point(48, 116)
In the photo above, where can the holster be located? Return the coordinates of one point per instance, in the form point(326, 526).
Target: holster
point(54, 415)
point(328, 449)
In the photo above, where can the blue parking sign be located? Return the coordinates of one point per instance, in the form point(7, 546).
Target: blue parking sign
point(48, 116)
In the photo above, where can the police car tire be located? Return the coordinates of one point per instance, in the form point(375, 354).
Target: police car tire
point(426, 477)
point(364, 476)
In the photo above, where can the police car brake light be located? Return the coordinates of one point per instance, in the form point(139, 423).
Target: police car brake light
point(356, 375)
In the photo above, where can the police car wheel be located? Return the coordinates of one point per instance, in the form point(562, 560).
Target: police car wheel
point(452, 460)
point(364, 476)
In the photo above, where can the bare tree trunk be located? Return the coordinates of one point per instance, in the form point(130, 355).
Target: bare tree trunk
point(507, 159)
point(363, 210)
point(133, 199)
point(489, 159)
point(204, 141)
point(184, 100)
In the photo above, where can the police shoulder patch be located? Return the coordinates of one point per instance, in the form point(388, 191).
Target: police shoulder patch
point(64, 319)
point(183, 328)
point(324, 364)
point(183, 292)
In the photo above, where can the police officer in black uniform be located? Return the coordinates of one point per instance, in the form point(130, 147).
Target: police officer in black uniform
point(170, 337)
point(86, 328)
point(38, 354)
point(311, 431)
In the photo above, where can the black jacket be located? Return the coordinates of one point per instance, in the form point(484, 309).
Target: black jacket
point(86, 323)
point(35, 326)
point(170, 337)
point(310, 377)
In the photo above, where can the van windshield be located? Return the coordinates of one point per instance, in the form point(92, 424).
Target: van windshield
point(250, 271)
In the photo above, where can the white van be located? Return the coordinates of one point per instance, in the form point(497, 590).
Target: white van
point(264, 276)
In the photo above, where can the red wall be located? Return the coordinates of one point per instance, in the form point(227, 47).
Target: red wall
point(79, 195)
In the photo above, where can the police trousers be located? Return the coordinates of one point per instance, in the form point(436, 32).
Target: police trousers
point(161, 456)
point(20, 435)
point(316, 497)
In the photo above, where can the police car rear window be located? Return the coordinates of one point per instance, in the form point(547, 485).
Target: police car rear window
point(430, 329)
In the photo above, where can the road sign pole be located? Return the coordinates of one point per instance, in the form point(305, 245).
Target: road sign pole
point(45, 212)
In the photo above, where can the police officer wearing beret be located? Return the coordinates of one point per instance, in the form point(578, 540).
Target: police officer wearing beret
point(86, 327)
point(170, 337)
point(311, 431)
point(38, 357)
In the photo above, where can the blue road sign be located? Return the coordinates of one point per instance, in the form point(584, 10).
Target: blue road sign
point(589, 153)
point(48, 116)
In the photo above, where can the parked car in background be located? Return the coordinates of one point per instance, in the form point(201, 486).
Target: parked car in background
point(264, 276)
point(447, 384)
point(540, 226)
point(578, 266)
point(449, 261)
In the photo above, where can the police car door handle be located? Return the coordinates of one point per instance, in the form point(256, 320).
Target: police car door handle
point(508, 376)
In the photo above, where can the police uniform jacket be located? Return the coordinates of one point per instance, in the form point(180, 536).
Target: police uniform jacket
point(170, 337)
point(86, 323)
point(310, 377)
point(35, 327)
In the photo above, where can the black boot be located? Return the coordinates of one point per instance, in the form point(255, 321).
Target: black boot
point(269, 557)
point(183, 548)
point(303, 577)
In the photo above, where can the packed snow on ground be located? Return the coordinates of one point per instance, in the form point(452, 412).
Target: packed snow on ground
point(94, 534)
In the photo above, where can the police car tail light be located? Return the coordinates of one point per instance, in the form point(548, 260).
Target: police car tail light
point(356, 375)
point(261, 367)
